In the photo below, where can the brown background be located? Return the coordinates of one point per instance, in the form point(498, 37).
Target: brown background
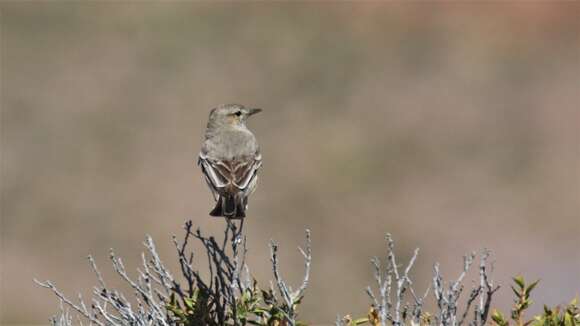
point(454, 127)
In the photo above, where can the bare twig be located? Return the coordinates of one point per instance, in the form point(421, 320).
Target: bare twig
point(290, 298)
point(393, 308)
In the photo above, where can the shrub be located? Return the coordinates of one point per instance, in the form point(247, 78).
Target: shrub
point(394, 305)
point(557, 316)
point(230, 296)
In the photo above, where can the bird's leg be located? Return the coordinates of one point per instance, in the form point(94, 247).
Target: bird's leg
point(241, 227)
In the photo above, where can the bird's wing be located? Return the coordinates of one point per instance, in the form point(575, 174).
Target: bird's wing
point(245, 171)
point(214, 180)
point(214, 173)
point(239, 173)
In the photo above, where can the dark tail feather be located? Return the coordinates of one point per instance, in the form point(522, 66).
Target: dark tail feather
point(217, 210)
point(229, 207)
point(240, 209)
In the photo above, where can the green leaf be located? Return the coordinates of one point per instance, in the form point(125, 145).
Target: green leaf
point(568, 320)
point(299, 300)
point(531, 287)
point(547, 310)
point(268, 297)
point(498, 318)
point(189, 302)
point(520, 281)
point(516, 292)
point(172, 299)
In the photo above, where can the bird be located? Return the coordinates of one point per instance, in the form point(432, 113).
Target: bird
point(230, 159)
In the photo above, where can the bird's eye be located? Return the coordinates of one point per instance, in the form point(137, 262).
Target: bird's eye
point(238, 113)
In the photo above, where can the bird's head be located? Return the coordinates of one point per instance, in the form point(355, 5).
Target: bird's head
point(230, 115)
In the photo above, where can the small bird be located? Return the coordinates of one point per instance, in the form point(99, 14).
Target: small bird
point(230, 159)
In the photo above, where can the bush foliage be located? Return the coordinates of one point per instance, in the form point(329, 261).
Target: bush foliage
point(230, 296)
point(568, 315)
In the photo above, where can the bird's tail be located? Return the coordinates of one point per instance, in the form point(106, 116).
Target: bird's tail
point(229, 206)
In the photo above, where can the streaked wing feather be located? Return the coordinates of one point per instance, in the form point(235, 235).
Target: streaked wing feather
point(220, 174)
point(244, 173)
point(214, 174)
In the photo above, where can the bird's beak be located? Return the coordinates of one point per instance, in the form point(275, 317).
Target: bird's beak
point(253, 111)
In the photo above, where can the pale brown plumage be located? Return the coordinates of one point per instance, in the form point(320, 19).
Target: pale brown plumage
point(230, 159)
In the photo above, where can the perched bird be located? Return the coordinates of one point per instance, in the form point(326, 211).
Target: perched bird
point(230, 159)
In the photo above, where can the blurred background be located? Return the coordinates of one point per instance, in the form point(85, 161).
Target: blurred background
point(453, 127)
